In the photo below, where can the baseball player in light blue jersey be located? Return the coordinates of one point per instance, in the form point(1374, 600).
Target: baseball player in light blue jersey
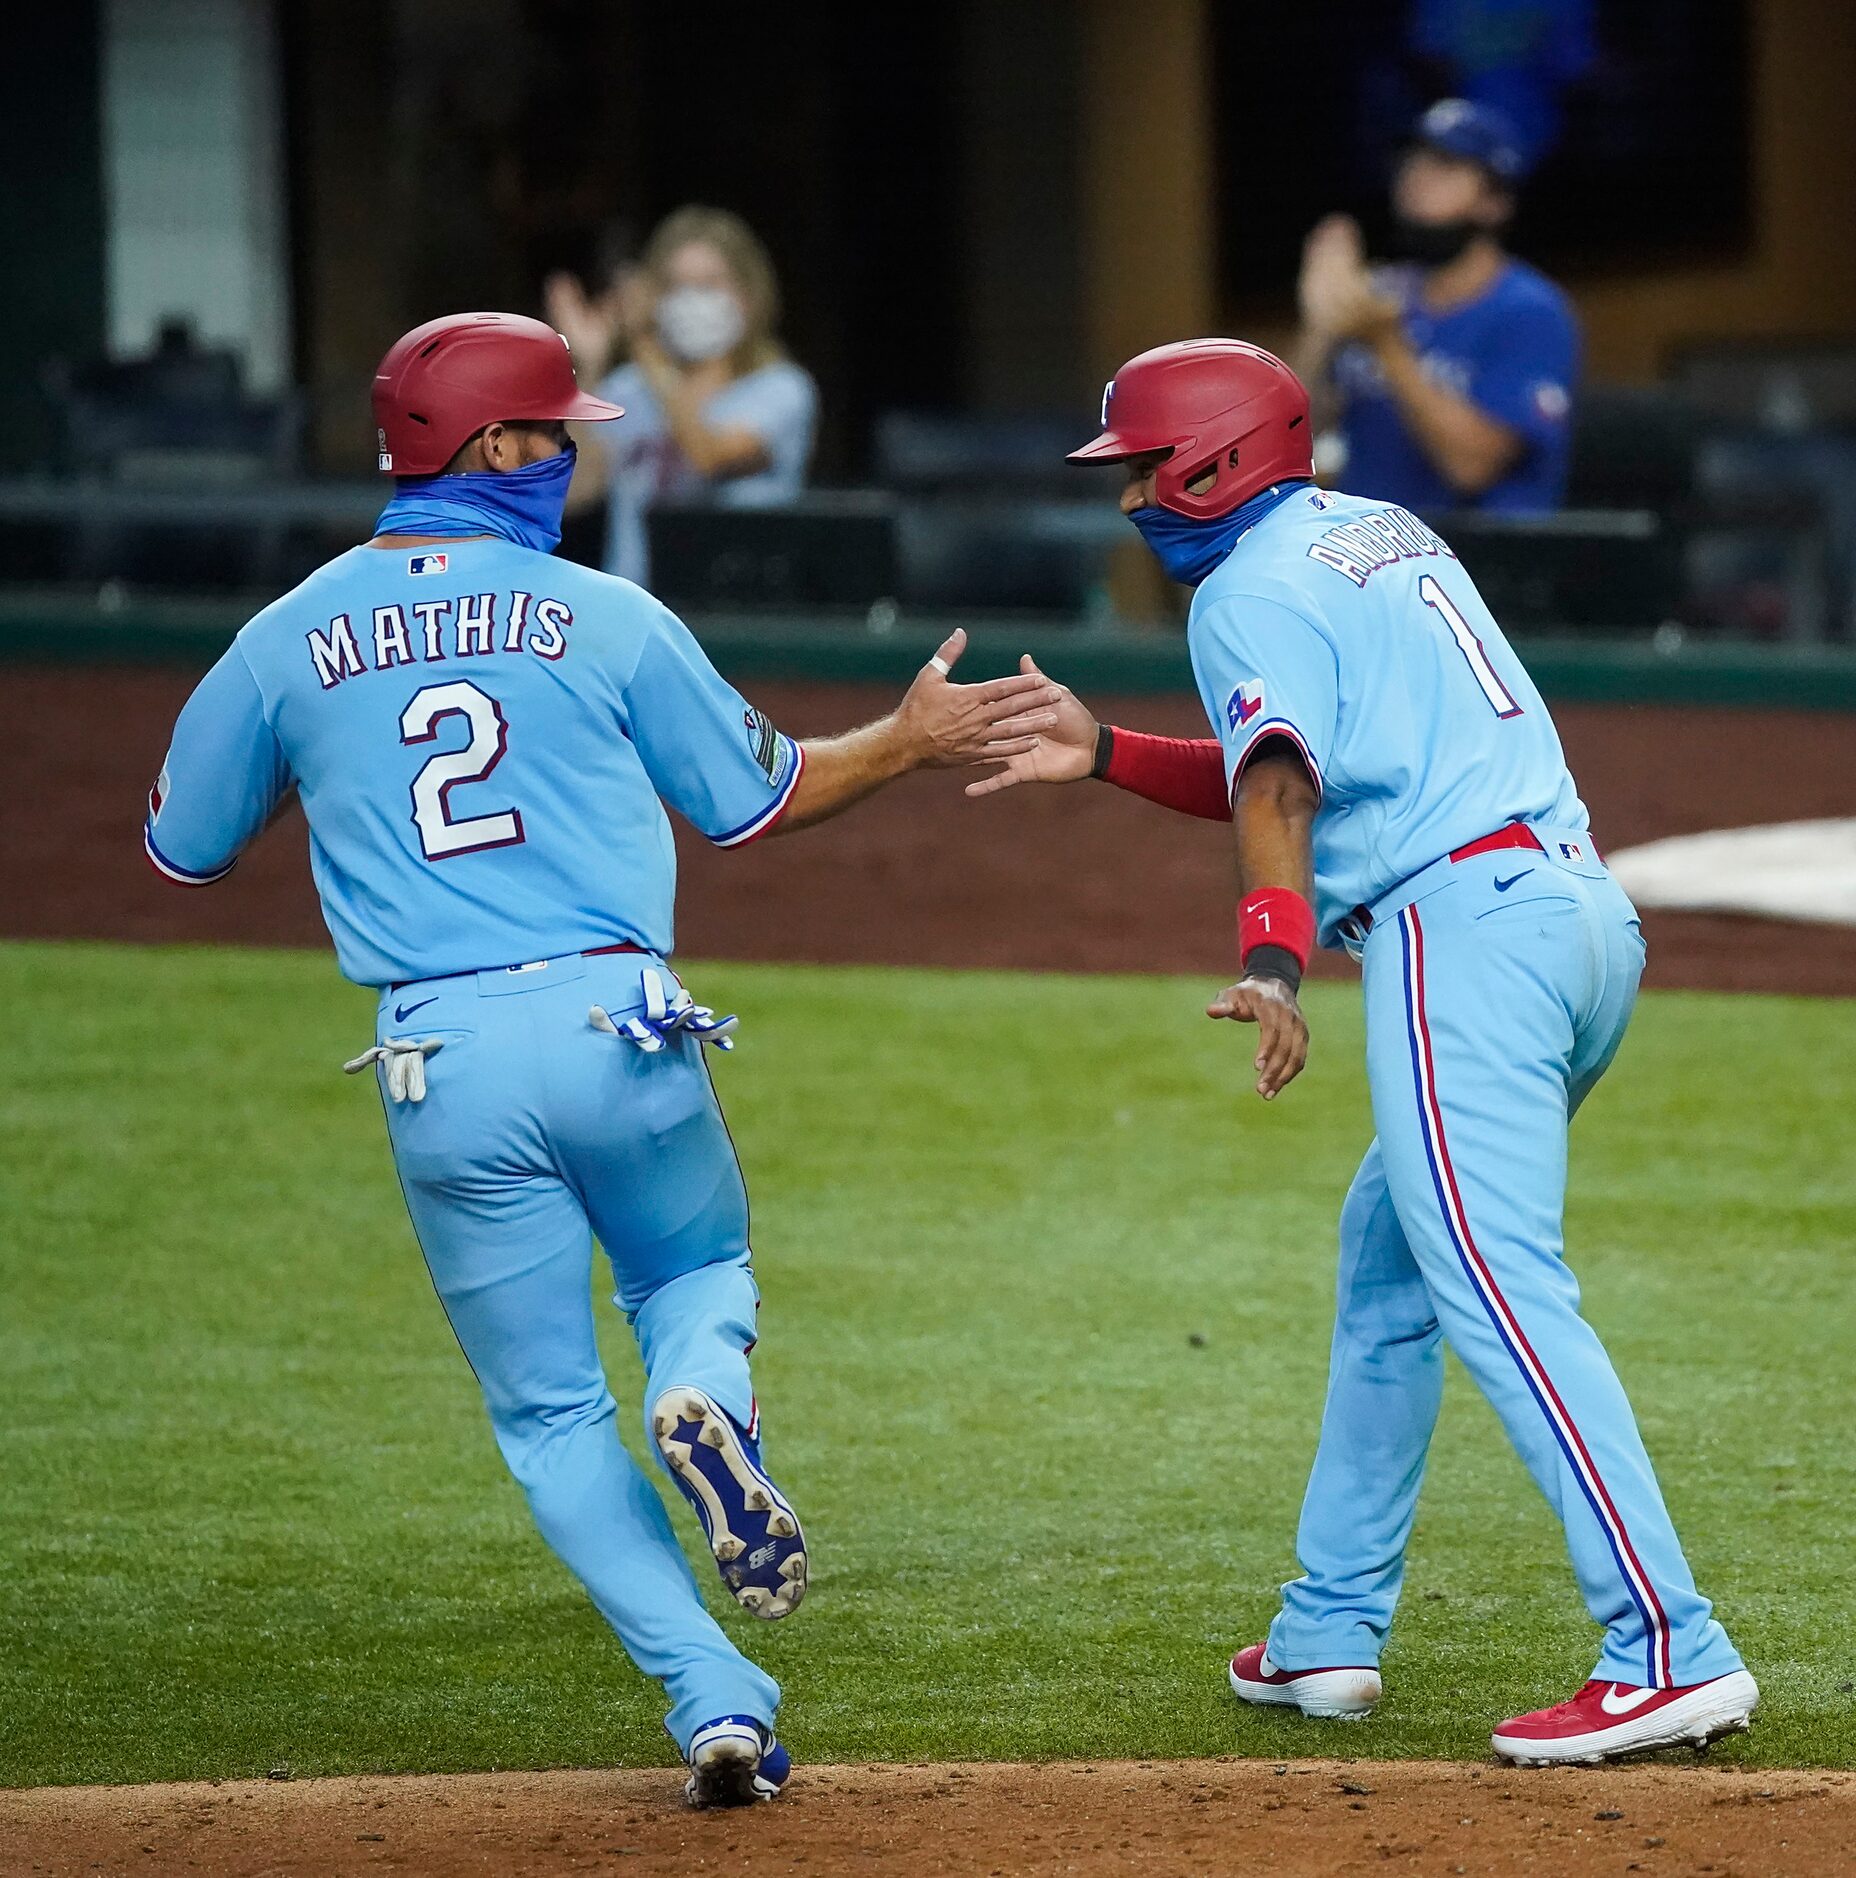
point(482, 738)
point(1398, 788)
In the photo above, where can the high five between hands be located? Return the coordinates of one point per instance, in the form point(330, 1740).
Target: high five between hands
point(945, 725)
point(1054, 741)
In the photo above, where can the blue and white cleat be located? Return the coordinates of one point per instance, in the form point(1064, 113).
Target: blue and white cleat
point(734, 1762)
point(752, 1531)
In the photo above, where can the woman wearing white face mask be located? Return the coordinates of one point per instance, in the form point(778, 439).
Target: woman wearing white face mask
point(714, 409)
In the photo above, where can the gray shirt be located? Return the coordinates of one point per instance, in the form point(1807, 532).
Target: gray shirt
point(779, 403)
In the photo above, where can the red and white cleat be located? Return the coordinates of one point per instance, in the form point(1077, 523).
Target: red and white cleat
point(1608, 1719)
point(1346, 1694)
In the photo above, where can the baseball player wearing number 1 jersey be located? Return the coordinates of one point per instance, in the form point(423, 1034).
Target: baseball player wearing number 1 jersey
point(482, 738)
point(1398, 788)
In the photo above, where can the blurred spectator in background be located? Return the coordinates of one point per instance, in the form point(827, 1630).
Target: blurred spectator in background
point(1448, 376)
point(602, 317)
point(714, 409)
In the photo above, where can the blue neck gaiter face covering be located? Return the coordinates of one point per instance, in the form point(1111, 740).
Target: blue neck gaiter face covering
point(524, 506)
point(1188, 549)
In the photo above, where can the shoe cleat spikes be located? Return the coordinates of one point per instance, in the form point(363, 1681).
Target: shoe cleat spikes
point(754, 1535)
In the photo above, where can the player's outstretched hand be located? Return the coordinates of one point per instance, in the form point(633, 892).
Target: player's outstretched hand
point(1282, 1030)
point(944, 724)
point(1065, 752)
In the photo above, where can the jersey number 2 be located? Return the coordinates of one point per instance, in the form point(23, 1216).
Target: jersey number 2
point(1501, 699)
point(440, 833)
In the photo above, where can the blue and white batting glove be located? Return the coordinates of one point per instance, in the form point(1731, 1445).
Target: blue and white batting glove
point(666, 1013)
point(405, 1061)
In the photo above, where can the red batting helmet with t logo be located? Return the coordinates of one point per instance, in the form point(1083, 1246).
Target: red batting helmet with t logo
point(1208, 404)
point(444, 381)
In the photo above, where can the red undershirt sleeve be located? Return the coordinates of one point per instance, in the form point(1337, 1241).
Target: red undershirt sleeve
point(1182, 773)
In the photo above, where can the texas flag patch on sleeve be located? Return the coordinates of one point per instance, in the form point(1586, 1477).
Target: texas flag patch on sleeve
point(1243, 705)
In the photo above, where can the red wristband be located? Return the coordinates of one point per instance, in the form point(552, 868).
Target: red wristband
point(1180, 773)
point(1276, 916)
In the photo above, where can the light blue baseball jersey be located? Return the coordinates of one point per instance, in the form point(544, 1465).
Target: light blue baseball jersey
point(482, 737)
point(1350, 629)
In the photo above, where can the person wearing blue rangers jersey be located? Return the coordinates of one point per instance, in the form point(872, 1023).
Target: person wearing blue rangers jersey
point(1398, 788)
point(1449, 374)
point(483, 738)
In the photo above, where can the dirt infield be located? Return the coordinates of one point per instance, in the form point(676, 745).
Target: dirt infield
point(1057, 879)
point(1313, 1817)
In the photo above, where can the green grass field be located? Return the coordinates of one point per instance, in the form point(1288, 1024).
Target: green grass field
point(250, 1513)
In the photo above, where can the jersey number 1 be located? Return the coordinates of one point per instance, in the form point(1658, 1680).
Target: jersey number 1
point(1501, 699)
point(440, 834)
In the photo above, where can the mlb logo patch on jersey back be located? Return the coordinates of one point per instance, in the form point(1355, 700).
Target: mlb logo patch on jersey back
point(428, 563)
point(1244, 704)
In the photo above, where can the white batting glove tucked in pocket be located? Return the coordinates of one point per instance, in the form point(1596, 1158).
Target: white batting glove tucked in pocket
point(665, 1013)
point(405, 1061)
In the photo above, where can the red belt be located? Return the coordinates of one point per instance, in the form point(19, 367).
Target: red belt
point(1515, 835)
point(591, 952)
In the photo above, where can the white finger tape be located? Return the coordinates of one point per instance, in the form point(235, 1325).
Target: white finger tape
point(940, 665)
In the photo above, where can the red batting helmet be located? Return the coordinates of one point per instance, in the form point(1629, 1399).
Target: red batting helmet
point(444, 381)
point(1208, 403)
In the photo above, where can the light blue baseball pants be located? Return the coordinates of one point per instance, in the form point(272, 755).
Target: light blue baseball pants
point(538, 1134)
point(1497, 992)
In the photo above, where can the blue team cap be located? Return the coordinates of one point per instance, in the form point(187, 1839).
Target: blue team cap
point(1476, 132)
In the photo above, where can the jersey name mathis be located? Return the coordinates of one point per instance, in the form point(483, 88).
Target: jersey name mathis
point(469, 625)
point(1360, 548)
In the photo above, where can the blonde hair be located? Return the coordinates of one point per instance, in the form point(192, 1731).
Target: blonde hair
point(747, 260)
